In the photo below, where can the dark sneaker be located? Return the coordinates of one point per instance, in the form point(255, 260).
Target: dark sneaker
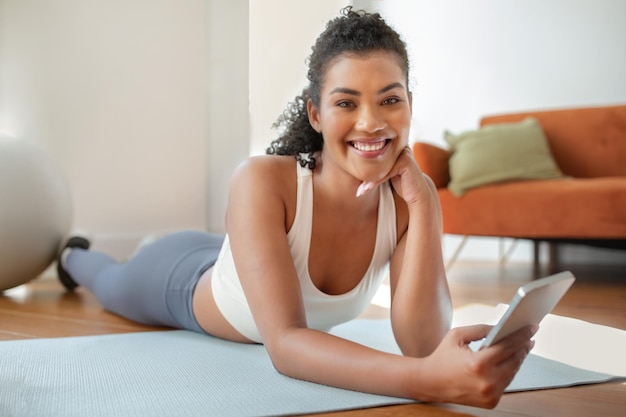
point(76, 241)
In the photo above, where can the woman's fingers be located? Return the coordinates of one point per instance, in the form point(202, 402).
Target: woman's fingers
point(500, 363)
point(467, 334)
point(510, 345)
point(397, 171)
point(478, 378)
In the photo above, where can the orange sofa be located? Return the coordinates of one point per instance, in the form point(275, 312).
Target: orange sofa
point(586, 206)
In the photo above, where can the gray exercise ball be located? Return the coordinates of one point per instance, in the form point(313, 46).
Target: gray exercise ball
point(35, 211)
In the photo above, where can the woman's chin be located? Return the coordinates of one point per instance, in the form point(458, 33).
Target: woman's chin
point(375, 174)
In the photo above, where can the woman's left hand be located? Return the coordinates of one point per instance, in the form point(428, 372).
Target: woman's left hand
point(406, 177)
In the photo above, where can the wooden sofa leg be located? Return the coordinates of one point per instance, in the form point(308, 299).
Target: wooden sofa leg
point(536, 258)
point(553, 265)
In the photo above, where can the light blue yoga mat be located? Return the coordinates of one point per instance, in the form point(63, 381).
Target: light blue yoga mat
point(181, 373)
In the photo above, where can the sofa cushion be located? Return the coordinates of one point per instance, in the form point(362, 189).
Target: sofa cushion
point(585, 141)
point(581, 208)
point(498, 153)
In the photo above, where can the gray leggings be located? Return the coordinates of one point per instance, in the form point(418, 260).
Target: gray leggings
point(156, 286)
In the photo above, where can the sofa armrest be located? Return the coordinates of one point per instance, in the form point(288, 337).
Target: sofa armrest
point(433, 161)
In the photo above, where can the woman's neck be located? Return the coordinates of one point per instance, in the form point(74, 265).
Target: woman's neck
point(338, 188)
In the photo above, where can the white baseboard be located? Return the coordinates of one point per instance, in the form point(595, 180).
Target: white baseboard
point(490, 249)
point(479, 248)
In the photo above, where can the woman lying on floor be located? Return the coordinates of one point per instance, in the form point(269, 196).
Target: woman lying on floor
point(312, 230)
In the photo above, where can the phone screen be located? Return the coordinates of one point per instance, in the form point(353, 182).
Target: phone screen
point(530, 305)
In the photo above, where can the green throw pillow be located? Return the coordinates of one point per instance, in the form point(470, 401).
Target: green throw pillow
point(497, 153)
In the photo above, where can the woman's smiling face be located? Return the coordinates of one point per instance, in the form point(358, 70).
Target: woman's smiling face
point(364, 114)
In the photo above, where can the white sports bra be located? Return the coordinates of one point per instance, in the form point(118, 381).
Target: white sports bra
point(323, 311)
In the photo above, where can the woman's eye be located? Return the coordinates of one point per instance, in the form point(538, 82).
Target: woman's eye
point(391, 100)
point(345, 104)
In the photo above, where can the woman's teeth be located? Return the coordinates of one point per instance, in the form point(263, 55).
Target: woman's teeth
point(369, 146)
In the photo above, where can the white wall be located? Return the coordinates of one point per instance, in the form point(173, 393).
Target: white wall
point(473, 58)
point(228, 98)
point(281, 35)
point(133, 100)
point(479, 57)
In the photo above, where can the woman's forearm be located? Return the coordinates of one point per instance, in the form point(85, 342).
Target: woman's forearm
point(421, 308)
point(319, 357)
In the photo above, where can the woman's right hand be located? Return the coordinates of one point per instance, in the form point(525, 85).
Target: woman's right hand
point(462, 376)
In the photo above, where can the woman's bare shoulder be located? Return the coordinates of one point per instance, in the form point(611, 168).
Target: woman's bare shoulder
point(262, 168)
point(265, 175)
point(268, 163)
point(262, 187)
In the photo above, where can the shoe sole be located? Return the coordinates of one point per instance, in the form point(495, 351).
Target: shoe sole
point(65, 278)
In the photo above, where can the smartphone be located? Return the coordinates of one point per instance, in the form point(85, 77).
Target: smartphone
point(530, 304)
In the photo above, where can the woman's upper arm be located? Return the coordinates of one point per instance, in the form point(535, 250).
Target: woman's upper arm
point(257, 222)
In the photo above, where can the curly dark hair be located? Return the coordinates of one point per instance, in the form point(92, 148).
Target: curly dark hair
point(353, 32)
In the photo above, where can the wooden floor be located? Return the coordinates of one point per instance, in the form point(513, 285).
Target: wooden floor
point(43, 309)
